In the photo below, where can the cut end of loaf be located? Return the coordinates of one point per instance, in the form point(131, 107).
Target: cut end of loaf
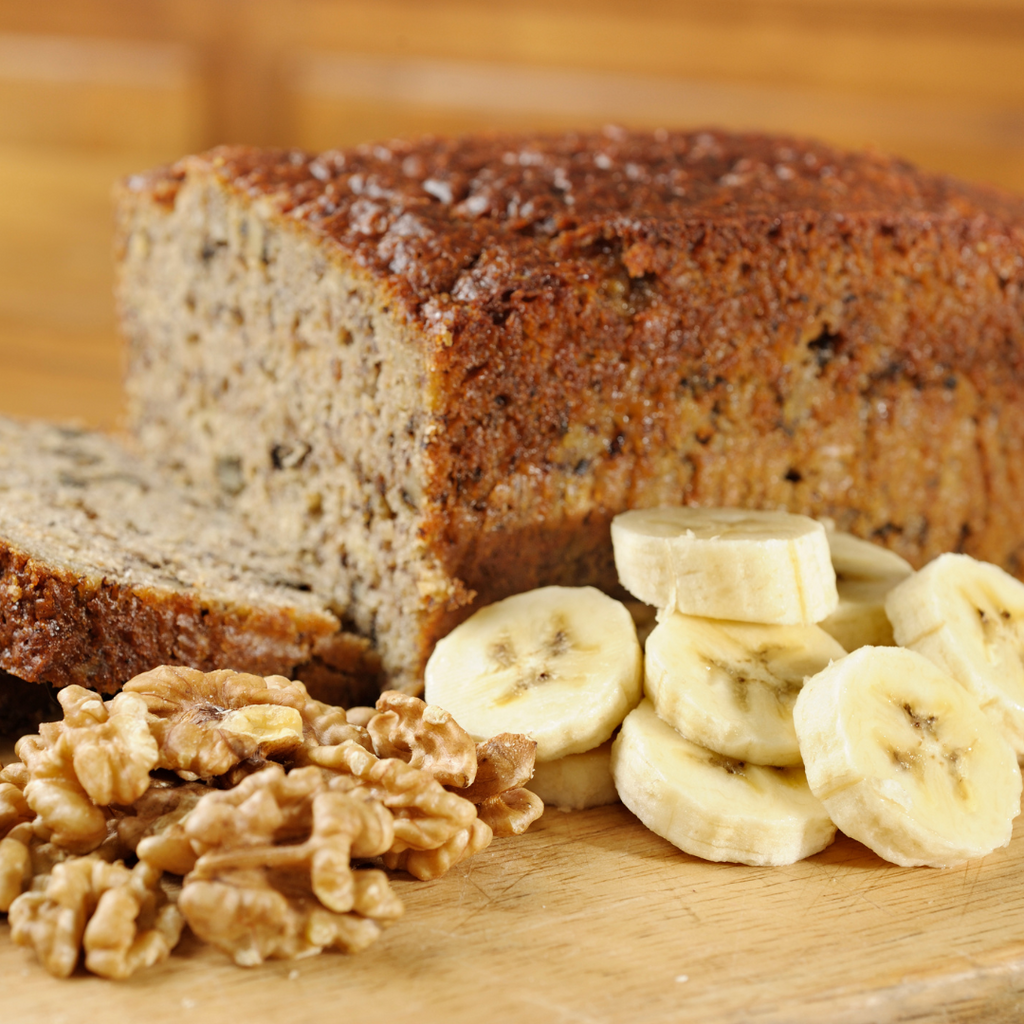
point(297, 400)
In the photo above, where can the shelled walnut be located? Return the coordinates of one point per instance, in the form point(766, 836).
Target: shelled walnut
point(100, 754)
point(28, 856)
point(117, 915)
point(206, 723)
point(274, 878)
point(504, 766)
point(434, 828)
point(424, 736)
point(251, 919)
point(133, 926)
point(490, 774)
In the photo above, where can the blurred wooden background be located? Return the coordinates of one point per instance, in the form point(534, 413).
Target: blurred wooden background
point(93, 89)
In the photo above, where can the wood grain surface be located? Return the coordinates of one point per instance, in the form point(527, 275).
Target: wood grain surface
point(591, 918)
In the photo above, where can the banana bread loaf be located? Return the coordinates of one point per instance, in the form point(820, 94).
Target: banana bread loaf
point(106, 571)
point(436, 369)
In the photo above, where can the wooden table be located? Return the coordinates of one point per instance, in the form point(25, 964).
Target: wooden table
point(591, 918)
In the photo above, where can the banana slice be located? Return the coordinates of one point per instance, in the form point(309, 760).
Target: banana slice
point(577, 781)
point(857, 559)
point(731, 686)
point(561, 664)
point(865, 573)
point(713, 806)
point(724, 563)
point(968, 617)
point(905, 761)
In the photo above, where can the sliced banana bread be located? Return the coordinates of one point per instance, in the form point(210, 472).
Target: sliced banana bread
point(106, 571)
point(435, 370)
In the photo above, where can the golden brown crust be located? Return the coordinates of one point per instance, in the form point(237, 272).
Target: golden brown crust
point(515, 209)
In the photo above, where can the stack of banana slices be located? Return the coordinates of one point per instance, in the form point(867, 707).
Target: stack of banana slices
point(757, 733)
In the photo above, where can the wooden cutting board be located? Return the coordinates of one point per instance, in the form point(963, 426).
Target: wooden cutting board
point(591, 918)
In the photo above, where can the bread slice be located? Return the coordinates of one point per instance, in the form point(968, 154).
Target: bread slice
point(435, 370)
point(106, 571)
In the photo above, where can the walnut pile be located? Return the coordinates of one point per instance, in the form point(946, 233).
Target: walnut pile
point(242, 807)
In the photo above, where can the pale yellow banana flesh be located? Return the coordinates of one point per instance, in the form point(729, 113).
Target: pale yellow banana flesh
point(859, 619)
point(731, 686)
point(711, 806)
point(768, 567)
point(856, 559)
point(561, 664)
point(865, 573)
point(904, 760)
point(576, 781)
point(968, 618)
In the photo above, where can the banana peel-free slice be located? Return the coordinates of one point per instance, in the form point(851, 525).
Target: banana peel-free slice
point(713, 806)
point(968, 618)
point(904, 760)
point(576, 781)
point(724, 563)
point(865, 573)
point(561, 664)
point(731, 686)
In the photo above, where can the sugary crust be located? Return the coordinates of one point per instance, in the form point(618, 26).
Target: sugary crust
point(421, 214)
point(624, 319)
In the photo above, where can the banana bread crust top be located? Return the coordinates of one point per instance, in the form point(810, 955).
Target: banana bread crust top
point(423, 213)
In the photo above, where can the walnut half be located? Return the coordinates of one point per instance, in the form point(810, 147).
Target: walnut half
point(206, 723)
point(505, 765)
point(490, 774)
point(118, 916)
point(424, 736)
point(434, 828)
point(274, 877)
point(100, 754)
